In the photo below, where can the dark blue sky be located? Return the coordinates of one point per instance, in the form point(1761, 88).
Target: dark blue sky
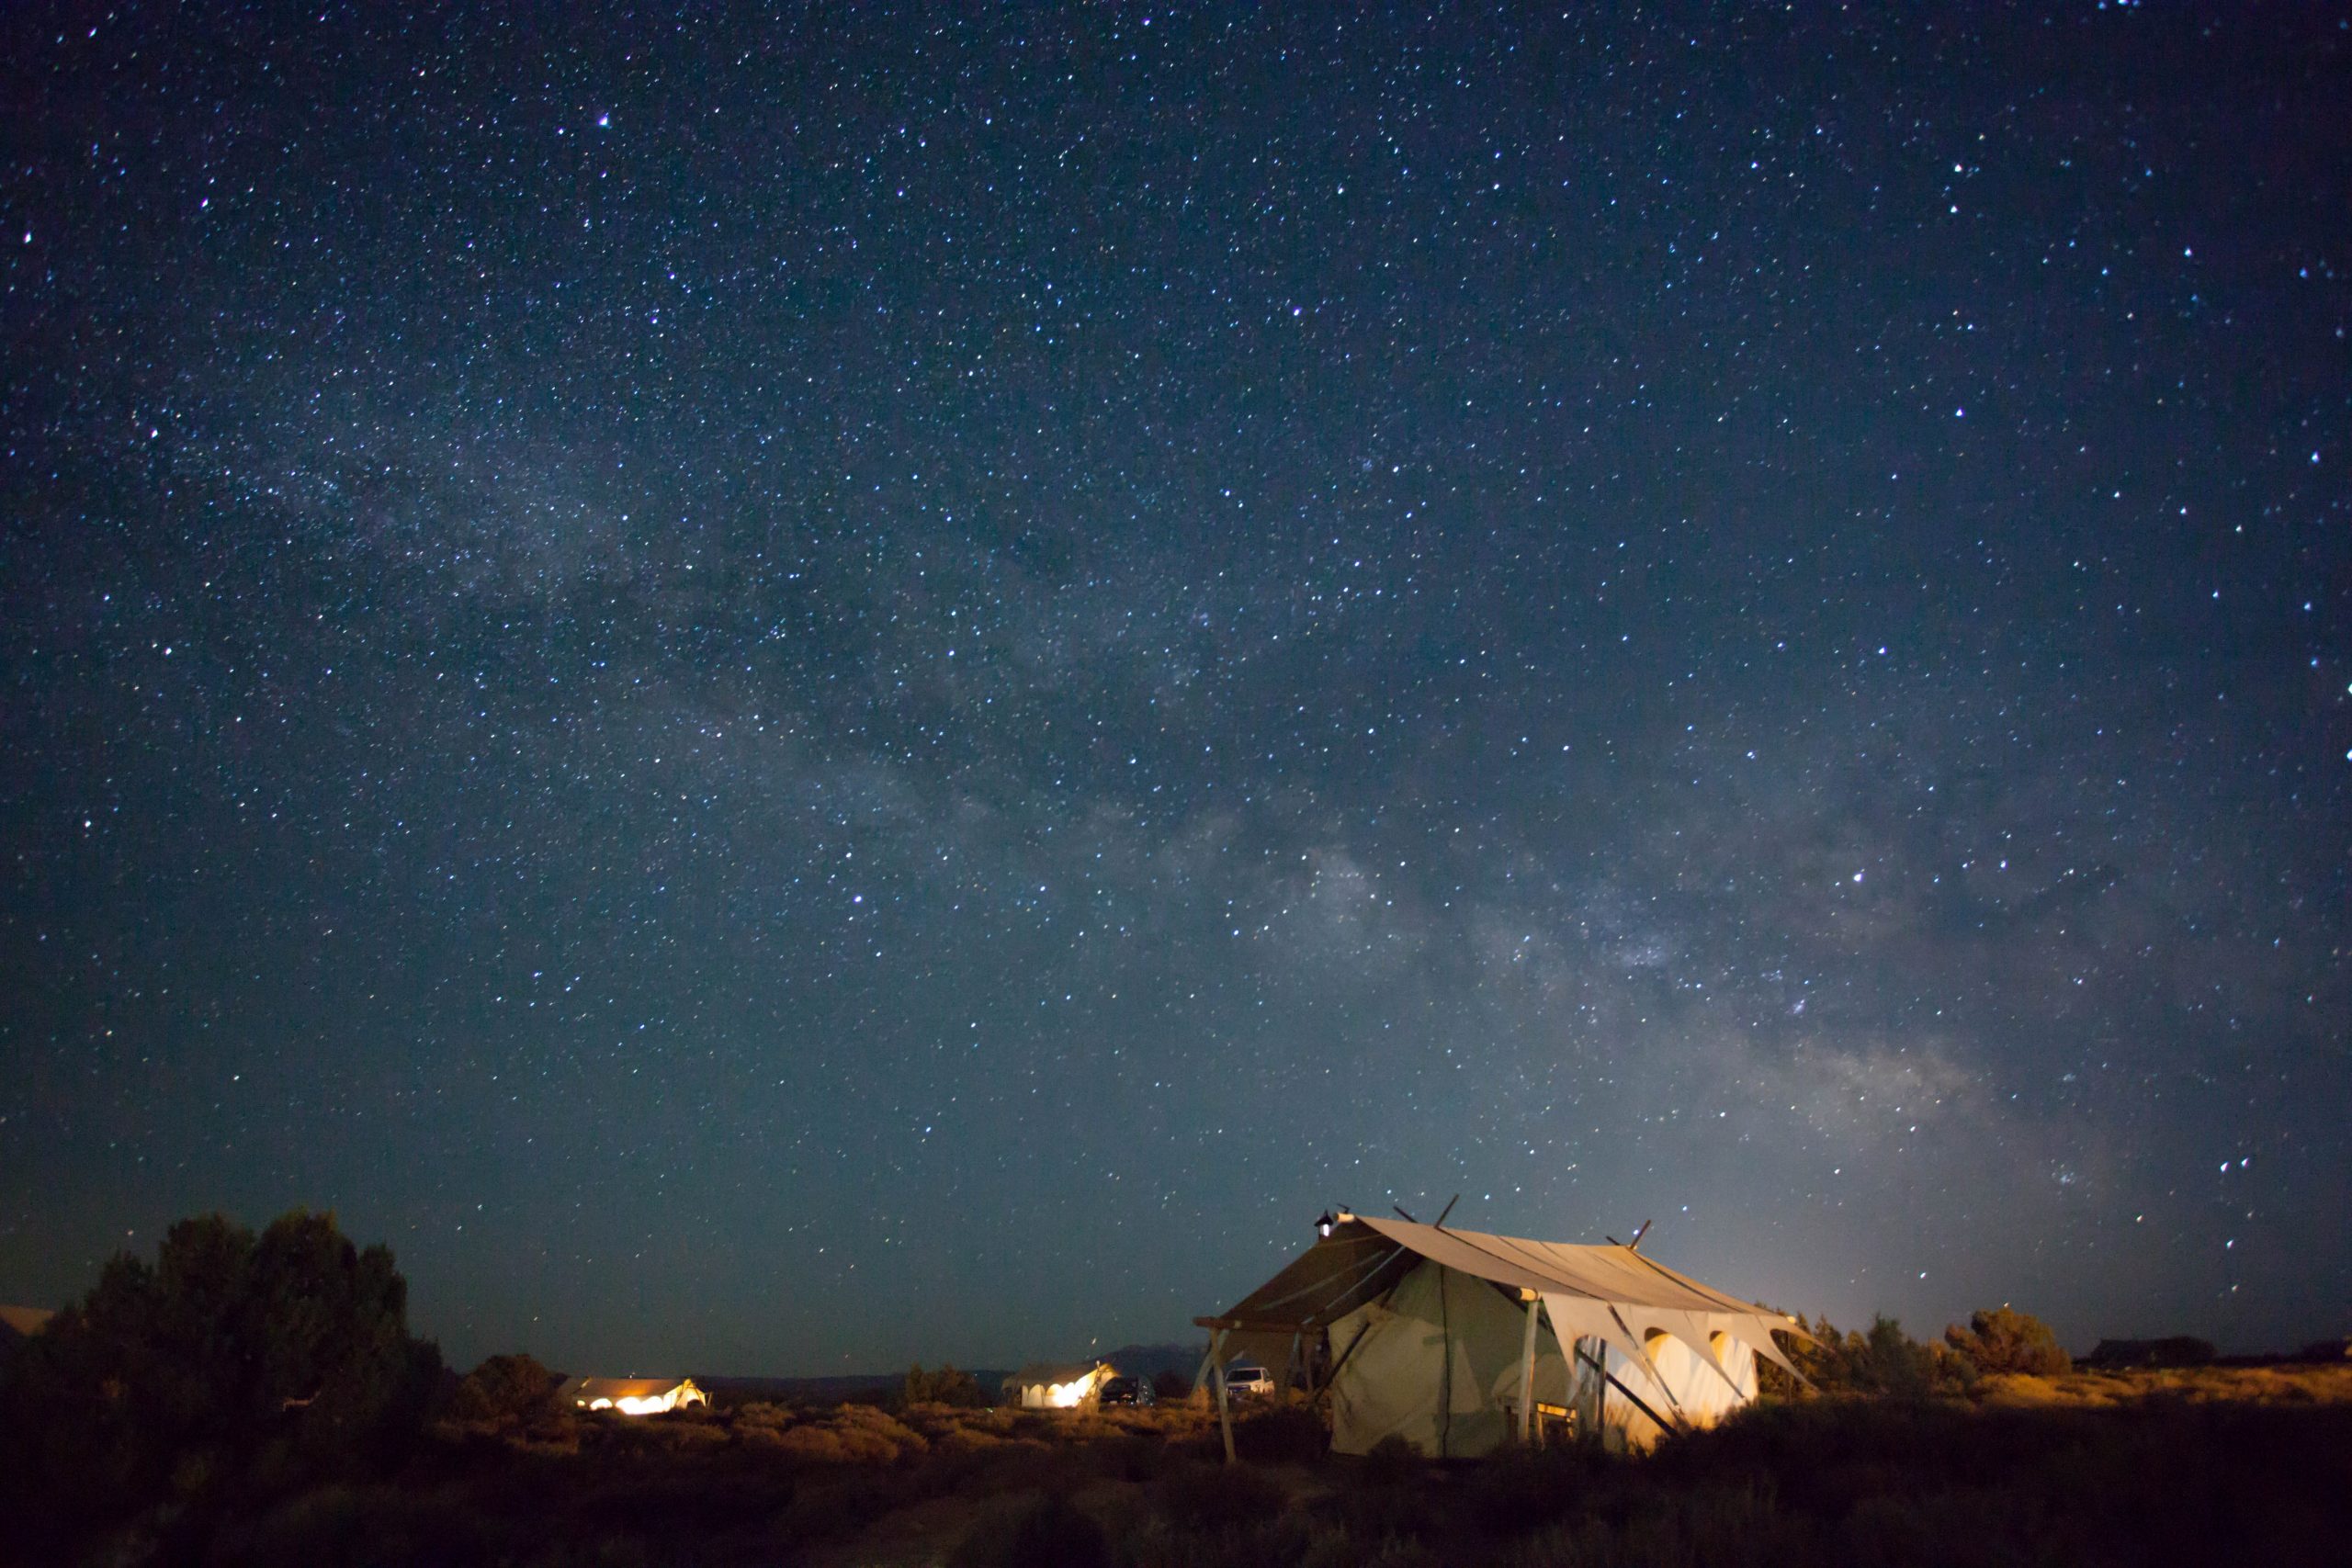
point(794, 693)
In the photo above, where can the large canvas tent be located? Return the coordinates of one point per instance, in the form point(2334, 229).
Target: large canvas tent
point(1458, 1342)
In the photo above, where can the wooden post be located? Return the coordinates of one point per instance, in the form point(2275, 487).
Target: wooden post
point(1223, 1406)
point(1224, 1409)
point(1527, 1375)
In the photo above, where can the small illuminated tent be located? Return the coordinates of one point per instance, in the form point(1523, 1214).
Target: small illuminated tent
point(19, 1323)
point(1460, 1342)
point(1057, 1385)
point(633, 1396)
point(23, 1323)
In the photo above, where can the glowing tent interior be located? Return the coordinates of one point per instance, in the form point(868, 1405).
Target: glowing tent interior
point(633, 1396)
point(1057, 1385)
point(1460, 1342)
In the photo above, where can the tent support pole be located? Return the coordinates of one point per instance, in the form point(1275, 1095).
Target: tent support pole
point(1527, 1376)
point(1671, 1429)
point(1223, 1406)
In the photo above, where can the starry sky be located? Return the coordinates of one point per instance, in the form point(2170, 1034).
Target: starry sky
point(790, 692)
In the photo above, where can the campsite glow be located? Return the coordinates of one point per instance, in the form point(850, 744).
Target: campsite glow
point(1069, 1396)
point(661, 1397)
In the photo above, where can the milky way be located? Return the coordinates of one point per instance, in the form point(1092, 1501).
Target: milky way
point(795, 694)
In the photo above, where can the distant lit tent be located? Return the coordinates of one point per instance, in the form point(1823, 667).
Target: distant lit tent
point(632, 1396)
point(1460, 1342)
point(19, 1323)
point(1057, 1385)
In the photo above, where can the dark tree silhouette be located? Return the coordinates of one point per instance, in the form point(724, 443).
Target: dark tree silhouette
point(1883, 1360)
point(944, 1386)
point(2002, 1340)
point(505, 1389)
point(232, 1367)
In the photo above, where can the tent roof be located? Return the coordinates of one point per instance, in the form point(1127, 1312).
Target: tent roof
point(621, 1388)
point(1363, 1256)
point(1049, 1372)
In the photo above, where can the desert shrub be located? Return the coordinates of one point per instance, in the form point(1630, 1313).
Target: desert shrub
point(1172, 1388)
point(2002, 1340)
point(505, 1389)
point(1521, 1489)
point(761, 1413)
point(1957, 1528)
point(365, 1527)
point(811, 1444)
point(871, 1422)
point(1050, 1531)
point(1402, 1551)
point(1884, 1361)
point(1210, 1497)
point(1131, 1458)
point(944, 1386)
point(1282, 1433)
point(1391, 1461)
point(1889, 1362)
point(1385, 1493)
point(768, 1439)
point(1285, 1539)
point(852, 1434)
point(969, 1440)
point(1723, 1527)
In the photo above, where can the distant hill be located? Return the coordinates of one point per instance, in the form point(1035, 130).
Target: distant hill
point(850, 1388)
point(1150, 1361)
point(858, 1388)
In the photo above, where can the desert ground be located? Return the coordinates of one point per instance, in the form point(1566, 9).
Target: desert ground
point(2210, 1464)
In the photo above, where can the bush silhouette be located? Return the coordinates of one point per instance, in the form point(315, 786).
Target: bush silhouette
point(1884, 1360)
point(2002, 1340)
point(945, 1386)
point(232, 1364)
point(1048, 1534)
point(505, 1389)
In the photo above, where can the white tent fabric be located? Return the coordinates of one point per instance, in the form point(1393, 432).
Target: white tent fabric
point(1688, 1388)
point(1425, 1335)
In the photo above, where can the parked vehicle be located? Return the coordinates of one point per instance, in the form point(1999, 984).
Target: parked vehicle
point(1126, 1390)
point(1249, 1380)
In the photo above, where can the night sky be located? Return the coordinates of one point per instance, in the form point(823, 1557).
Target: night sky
point(789, 693)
